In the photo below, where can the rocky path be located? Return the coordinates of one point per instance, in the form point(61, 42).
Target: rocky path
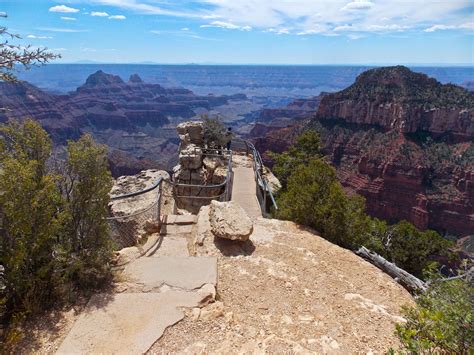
point(152, 295)
point(244, 187)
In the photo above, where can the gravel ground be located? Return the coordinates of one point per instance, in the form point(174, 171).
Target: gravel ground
point(291, 291)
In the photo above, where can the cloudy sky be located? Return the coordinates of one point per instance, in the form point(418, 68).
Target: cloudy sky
point(248, 31)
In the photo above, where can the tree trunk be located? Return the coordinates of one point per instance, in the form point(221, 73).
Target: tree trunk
point(410, 282)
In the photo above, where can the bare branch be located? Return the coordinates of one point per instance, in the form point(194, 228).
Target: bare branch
point(13, 55)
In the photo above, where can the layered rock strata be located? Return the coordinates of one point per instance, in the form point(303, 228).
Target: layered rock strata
point(403, 141)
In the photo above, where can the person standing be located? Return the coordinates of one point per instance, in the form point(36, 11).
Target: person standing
point(229, 137)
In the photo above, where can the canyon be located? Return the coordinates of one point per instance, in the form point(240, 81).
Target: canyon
point(137, 120)
point(401, 139)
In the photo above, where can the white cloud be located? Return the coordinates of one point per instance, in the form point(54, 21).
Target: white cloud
point(185, 29)
point(38, 37)
point(358, 5)
point(278, 31)
point(59, 49)
point(227, 26)
point(64, 30)
point(309, 17)
point(88, 50)
point(371, 28)
point(99, 14)
point(117, 17)
point(66, 18)
point(354, 36)
point(464, 26)
point(63, 9)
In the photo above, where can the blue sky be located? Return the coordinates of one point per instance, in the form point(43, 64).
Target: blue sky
point(248, 31)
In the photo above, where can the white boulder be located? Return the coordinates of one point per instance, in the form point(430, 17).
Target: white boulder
point(230, 221)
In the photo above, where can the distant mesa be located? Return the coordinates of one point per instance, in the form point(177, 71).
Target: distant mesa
point(101, 78)
point(135, 78)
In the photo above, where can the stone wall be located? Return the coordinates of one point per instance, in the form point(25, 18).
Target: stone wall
point(197, 166)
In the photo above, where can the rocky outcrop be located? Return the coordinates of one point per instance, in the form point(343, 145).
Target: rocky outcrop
point(197, 168)
point(132, 218)
point(288, 290)
point(229, 221)
point(396, 98)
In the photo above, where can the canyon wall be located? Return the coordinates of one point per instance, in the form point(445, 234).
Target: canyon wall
point(402, 140)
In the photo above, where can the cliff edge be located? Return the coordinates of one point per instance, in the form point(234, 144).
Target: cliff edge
point(288, 290)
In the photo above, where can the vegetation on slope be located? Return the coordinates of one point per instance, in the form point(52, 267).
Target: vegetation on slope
point(53, 236)
point(400, 84)
point(313, 196)
point(443, 320)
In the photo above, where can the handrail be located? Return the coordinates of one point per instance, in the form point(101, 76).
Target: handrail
point(136, 193)
point(259, 178)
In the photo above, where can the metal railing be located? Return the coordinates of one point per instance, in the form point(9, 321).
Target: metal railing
point(126, 228)
point(263, 189)
point(226, 185)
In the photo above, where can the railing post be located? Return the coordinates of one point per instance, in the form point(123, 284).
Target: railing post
point(160, 191)
point(264, 199)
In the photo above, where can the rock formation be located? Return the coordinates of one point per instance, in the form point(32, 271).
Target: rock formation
point(197, 167)
point(134, 118)
point(404, 142)
point(396, 98)
point(229, 221)
point(132, 218)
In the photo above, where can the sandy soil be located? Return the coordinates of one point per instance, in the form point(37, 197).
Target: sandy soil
point(291, 291)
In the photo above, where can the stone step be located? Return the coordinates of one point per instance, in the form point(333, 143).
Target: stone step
point(176, 229)
point(127, 323)
point(179, 219)
point(170, 246)
point(186, 273)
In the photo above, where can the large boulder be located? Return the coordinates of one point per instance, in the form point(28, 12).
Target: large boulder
point(230, 221)
point(193, 130)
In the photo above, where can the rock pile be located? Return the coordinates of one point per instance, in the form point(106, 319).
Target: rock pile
point(197, 167)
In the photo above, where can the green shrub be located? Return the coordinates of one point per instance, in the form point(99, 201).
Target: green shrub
point(315, 198)
point(53, 236)
point(307, 147)
point(87, 186)
point(442, 322)
point(312, 196)
point(215, 133)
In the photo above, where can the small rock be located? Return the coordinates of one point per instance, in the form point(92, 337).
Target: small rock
point(229, 317)
point(213, 311)
point(208, 292)
point(306, 318)
point(196, 312)
point(119, 288)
